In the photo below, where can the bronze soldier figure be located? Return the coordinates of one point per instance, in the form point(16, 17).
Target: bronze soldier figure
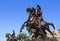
point(13, 34)
point(41, 23)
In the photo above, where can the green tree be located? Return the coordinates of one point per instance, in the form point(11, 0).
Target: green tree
point(23, 35)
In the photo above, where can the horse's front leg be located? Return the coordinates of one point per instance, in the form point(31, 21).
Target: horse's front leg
point(21, 29)
point(23, 26)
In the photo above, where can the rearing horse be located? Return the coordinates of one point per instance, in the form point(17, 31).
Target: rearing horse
point(46, 26)
point(31, 22)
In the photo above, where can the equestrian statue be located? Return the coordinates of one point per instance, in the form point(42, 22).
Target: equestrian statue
point(35, 24)
point(11, 37)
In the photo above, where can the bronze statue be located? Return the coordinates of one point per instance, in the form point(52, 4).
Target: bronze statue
point(31, 22)
point(35, 23)
point(11, 37)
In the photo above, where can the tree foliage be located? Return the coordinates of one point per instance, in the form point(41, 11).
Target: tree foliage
point(23, 35)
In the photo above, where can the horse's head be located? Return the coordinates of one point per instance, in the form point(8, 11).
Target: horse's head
point(31, 9)
point(8, 35)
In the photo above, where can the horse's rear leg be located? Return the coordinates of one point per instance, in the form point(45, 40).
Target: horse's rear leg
point(51, 25)
point(50, 32)
point(31, 37)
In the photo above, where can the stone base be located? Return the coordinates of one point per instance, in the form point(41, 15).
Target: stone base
point(49, 37)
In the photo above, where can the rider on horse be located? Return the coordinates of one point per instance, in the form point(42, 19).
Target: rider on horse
point(13, 34)
point(41, 23)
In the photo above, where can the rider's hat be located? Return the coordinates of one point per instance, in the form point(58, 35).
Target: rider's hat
point(38, 7)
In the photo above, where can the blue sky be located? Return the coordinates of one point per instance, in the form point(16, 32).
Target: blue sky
point(13, 14)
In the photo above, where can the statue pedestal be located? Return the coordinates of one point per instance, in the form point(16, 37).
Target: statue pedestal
point(49, 37)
